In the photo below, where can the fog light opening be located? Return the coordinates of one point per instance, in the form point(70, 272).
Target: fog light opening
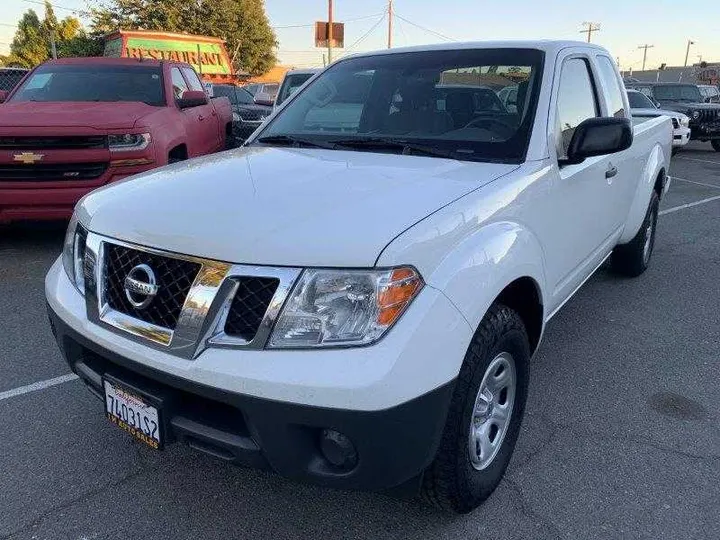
point(338, 450)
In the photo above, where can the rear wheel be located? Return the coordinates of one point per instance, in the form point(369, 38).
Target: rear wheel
point(485, 413)
point(633, 258)
point(716, 145)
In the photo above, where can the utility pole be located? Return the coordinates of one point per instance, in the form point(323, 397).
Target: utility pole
point(687, 51)
point(330, 30)
point(390, 21)
point(53, 48)
point(590, 27)
point(645, 48)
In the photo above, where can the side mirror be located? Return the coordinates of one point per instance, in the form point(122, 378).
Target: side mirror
point(598, 137)
point(264, 99)
point(192, 98)
point(3, 95)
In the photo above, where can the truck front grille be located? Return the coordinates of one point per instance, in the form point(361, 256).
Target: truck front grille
point(708, 115)
point(174, 277)
point(48, 172)
point(251, 301)
point(61, 142)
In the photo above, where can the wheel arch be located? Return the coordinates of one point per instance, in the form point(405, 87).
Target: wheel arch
point(653, 179)
point(502, 263)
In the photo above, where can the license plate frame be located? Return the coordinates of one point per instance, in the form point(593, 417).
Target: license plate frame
point(141, 416)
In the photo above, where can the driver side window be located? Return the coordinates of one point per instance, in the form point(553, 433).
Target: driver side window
point(178, 83)
point(576, 99)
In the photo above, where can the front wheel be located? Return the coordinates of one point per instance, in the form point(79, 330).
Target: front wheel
point(633, 258)
point(485, 413)
point(716, 145)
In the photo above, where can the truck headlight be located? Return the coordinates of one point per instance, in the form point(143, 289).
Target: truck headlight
point(129, 141)
point(344, 307)
point(696, 114)
point(684, 120)
point(73, 255)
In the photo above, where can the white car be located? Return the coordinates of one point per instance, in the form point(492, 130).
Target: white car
point(359, 307)
point(293, 80)
point(641, 106)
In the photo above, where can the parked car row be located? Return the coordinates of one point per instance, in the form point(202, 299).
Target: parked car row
point(688, 99)
point(642, 106)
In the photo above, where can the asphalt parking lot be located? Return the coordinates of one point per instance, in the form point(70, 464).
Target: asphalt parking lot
point(621, 437)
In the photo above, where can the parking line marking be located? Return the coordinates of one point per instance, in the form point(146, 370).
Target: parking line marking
point(698, 160)
point(40, 385)
point(694, 182)
point(688, 205)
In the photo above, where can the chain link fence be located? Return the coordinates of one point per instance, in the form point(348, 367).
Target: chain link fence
point(9, 77)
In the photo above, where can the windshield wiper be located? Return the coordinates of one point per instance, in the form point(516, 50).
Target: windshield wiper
point(291, 140)
point(399, 145)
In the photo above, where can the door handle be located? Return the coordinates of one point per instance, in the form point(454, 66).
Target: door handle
point(611, 171)
point(201, 117)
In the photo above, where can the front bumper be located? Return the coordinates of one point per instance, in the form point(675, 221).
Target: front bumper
point(54, 199)
point(681, 136)
point(393, 446)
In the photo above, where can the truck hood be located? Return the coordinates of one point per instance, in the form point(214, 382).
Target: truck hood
point(280, 206)
point(100, 115)
point(684, 106)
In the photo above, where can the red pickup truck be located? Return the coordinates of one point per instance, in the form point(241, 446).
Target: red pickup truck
point(75, 124)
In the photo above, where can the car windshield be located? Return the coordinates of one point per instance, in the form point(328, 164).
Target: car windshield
point(677, 92)
point(638, 100)
point(444, 101)
point(70, 82)
point(290, 84)
point(237, 96)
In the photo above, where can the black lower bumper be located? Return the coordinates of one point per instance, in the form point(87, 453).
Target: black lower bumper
point(392, 446)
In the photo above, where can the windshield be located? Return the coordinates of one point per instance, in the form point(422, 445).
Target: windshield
point(638, 100)
point(443, 100)
point(93, 83)
point(290, 84)
point(237, 96)
point(678, 92)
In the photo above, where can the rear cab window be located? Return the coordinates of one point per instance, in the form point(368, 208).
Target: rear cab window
point(612, 86)
point(178, 82)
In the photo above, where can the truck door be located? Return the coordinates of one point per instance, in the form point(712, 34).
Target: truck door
point(583, 225)
point(201, 121)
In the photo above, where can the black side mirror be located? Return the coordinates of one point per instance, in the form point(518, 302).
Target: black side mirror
point(192, 98)
point(598, 137)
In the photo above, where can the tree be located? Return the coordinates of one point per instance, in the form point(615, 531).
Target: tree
point(32, 42)
point(243, 24)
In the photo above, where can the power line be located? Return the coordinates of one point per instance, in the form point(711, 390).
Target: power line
point(366, 34)
point(55, 6)
point(438, 34)
point(312, 25)
point(590, 27)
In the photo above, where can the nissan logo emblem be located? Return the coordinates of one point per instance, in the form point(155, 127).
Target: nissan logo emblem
point(140, 286)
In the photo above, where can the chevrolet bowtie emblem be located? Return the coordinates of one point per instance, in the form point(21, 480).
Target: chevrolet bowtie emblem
point(28, 158)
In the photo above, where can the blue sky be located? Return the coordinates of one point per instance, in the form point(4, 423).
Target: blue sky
point(625, 24)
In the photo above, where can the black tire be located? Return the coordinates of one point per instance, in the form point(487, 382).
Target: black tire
point(675, 150)
point(451, 482)
point(631, 259)
point(716, 145)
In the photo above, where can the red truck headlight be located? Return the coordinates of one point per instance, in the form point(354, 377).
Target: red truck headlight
point(129, 142)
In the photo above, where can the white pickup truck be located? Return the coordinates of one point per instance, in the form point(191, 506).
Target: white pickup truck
point(354, 297)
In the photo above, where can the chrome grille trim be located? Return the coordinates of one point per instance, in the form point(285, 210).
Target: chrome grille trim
point(202, 319)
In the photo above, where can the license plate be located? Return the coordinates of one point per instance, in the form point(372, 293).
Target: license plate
point(133, 414)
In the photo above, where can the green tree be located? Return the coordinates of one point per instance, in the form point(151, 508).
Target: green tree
point(32, 42)
point(243, 24)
